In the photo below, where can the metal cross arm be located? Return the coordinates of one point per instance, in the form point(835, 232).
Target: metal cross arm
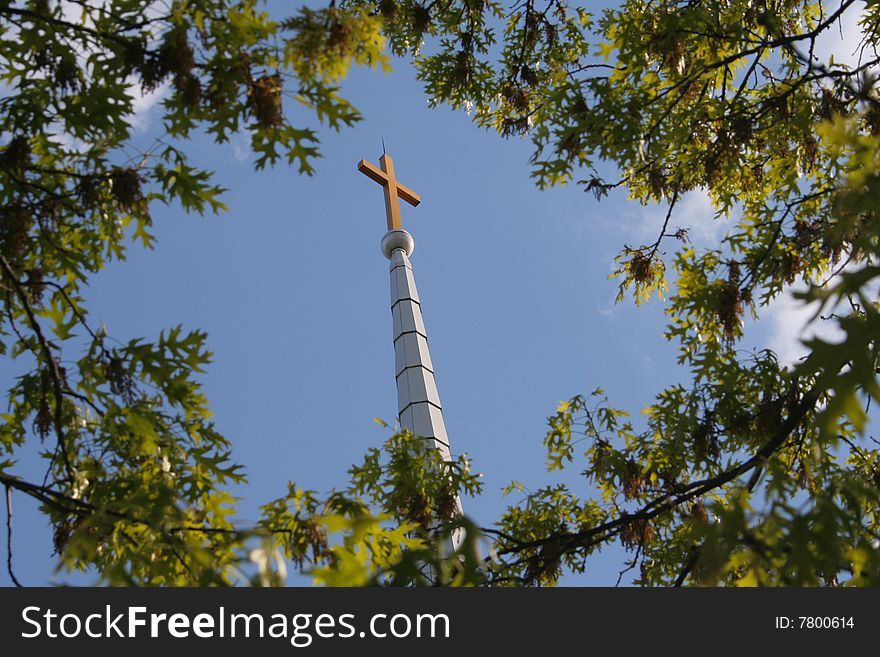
point(393, 189)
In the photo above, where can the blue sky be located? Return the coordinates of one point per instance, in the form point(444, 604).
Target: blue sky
point(293, 291)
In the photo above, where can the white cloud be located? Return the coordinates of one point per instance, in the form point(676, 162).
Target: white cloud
point(76, 14)
point(842, 40)
point(608, 310)
point(693, 213)
point(142, 103)
point(791, 322)
point(241, 147)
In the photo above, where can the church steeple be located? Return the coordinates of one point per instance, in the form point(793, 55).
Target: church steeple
point(418, 402)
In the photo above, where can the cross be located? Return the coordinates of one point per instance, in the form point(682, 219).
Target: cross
point(392, 188)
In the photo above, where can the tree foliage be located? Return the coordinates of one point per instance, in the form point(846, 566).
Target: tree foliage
point(750, 473)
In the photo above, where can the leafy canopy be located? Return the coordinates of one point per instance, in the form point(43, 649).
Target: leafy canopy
point(751, 473)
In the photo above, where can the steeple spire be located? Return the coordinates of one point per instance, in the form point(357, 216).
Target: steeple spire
point(418, 402)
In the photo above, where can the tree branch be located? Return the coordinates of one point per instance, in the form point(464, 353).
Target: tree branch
point(52, 364)
point(9, 537)
point(594, 535)
point(665, 225)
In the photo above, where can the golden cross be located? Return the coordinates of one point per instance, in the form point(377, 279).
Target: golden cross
point(392, 188)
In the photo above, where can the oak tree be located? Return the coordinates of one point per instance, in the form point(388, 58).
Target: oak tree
point(751, 473)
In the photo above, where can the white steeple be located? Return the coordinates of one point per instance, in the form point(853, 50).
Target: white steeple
point(418, 402)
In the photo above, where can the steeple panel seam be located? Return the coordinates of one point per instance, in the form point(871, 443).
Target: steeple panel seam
point(415, 301)
point(421, 401)
point(413, 367)
point(410, 333)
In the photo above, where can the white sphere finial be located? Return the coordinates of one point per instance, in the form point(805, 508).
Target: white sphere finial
point(397, 239)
